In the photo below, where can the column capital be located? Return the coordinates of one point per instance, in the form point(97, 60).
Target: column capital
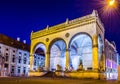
point(47, 52)
point(31, 54)
point(95, 45)
point(67, 49)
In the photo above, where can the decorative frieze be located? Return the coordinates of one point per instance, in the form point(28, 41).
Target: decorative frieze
point(62, 27)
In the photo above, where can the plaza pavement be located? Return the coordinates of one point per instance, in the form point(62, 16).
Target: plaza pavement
point(48, 80)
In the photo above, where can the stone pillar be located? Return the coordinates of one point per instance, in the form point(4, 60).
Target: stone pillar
point(104, 64)
point(95, 52)
point(31, 61)
point(47, 61)
point(67, 59)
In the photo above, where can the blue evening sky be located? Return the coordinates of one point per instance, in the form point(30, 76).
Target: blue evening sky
point(19, 17)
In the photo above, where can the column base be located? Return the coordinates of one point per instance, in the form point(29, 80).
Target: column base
point(96, 70)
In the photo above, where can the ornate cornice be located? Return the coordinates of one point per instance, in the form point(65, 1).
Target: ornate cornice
point(88, 19)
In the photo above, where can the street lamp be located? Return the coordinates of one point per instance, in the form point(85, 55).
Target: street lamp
point(111, 2)
point(110, 5)
point(109, 8)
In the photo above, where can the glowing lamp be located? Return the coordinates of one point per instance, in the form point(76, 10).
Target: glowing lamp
point(111, 2)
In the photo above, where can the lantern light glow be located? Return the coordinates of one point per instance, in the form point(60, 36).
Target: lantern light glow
point(111, 2)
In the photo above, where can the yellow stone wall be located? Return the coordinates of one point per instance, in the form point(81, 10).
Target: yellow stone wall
point(89, 24)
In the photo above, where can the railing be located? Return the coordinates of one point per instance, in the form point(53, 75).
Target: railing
point(64, 26)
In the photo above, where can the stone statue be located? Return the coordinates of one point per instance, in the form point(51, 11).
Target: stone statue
point(59, 68)
point(80, 67)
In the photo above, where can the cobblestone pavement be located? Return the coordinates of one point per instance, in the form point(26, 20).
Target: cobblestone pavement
point(43, 80)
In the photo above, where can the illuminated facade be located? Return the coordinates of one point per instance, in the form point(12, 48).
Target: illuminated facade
point(76, 47)
point(14, 57)
point(111, 60)
point(39, 61)
point(21, 63)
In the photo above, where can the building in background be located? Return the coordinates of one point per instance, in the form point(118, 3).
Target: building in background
point(14, 57)
point(118, 66)
point(111, 57)
point(39, 61)
point(22, 63)
point(118, 58)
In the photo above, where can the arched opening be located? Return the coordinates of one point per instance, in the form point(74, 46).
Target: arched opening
point(81, 52)
point(57, 55)
point(39, 57)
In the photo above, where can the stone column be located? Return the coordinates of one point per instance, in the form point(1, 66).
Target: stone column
point(67, 59)
point(103, 60)
point(95, 52)
point(47, 61)
point(31, 61)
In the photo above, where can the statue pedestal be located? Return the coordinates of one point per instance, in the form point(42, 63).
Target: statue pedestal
point(35, 73)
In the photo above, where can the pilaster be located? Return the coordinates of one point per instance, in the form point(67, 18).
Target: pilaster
point(31, 61)
point(95, 52)
point(67, 59)
point(47, 61)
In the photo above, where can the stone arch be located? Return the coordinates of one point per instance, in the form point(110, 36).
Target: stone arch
point(78, 34)
point(39, 55)
point(80, 49)
point(35, 45)
point(54, 40)
point(57, 50)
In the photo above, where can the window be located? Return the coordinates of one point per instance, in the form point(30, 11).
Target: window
point(6, 49)
point(25, 60)
point(13, 59)
point(6, 65)
point(35, 63)
point(6, 58)
point(41, 58)
point(12, 70)
point(13, 51)
point(24, 70)
point(6, 53)
point(25, 54)
point(18, 69)
point(19, 52)
point(19, 60)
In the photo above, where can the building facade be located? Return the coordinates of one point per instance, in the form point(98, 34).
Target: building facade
point(111, 57)
point(39, 61)
point(14, 57)
point(76, 47)
point(22, 63)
